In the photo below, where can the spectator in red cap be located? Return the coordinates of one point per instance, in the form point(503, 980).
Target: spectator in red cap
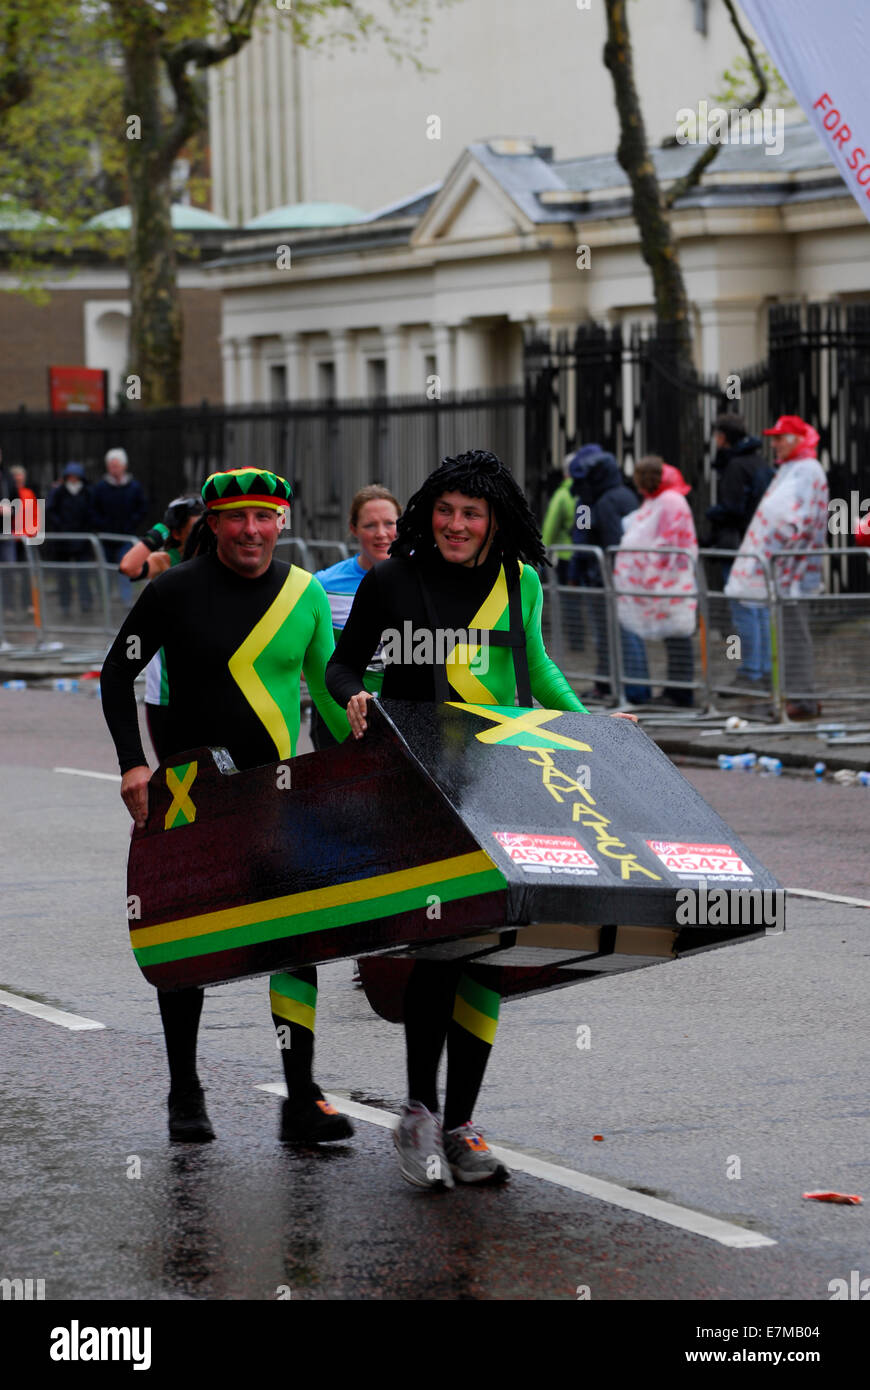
point(792, 516)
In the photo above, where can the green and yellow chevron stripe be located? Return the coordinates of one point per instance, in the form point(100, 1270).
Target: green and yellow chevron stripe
point(293, 999)
point(320, 909)
point(476, 1009)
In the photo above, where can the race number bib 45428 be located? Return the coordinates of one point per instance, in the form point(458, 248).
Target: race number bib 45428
point(546, 853)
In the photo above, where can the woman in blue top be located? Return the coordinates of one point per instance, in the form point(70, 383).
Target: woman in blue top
point(374, 512)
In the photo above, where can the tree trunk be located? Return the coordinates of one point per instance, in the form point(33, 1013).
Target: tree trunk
point(155, 322)
point(656, 237)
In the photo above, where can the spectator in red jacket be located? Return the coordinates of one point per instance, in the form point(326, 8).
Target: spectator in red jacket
point(25, 524)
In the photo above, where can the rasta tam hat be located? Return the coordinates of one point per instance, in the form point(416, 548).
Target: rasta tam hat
point(246, 487)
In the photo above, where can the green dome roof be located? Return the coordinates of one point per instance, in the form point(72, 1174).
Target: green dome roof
point(306, 215)
point(184, 219)
point(14, 217)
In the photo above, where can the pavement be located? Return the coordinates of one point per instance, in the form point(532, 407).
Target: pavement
point(798, 747)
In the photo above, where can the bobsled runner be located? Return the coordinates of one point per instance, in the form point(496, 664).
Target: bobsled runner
point(557, 845)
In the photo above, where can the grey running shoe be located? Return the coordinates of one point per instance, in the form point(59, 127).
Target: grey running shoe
point(469, 1157)
point(420, 1146)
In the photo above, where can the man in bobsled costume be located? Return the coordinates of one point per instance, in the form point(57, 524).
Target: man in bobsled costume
point(230, 604)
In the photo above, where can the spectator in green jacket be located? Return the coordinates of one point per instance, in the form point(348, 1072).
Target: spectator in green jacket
point(559, 529)
point(559, 523)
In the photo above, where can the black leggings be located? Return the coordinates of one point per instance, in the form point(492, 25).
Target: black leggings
point(293, 998)
point(454, 1003)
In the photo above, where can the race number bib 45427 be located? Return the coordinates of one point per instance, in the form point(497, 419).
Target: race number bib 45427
point(694, 861)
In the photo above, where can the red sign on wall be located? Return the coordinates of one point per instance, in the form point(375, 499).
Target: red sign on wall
point(77, 389)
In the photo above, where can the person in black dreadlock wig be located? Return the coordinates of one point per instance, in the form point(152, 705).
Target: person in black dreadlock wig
point(453, 569)
point(477, 473)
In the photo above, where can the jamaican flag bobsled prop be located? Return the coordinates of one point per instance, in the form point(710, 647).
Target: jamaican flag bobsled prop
point(561, 844)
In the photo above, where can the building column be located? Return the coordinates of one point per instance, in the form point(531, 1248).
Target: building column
point(341, 356)
point(443, 334)
point(245, 376)
point(292, 345)
point(472, 371)
point(228, 362)
point(394, 351)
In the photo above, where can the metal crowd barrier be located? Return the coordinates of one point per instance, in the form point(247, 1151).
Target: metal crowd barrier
point(753, 623)
point(811, 647)
point(578, 618)
point(56, 597)
point(298, 551)
point(316, 548)
point(69, 598)
point(802, 647)
point(824, 637)
point(307, 553)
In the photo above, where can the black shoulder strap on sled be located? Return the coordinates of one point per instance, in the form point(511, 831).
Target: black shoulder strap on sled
point(515, 637)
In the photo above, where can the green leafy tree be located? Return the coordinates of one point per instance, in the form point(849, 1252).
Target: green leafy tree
point(114, 90)
point(59, 159)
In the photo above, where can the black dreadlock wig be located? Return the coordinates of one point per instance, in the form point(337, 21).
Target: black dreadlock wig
point(477, 473)
point(202, 539)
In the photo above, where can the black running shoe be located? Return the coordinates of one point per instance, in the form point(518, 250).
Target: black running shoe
point(313, 1121)
point(188, 1120)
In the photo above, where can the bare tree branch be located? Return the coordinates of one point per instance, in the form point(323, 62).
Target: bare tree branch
point(709, 153)
point(656, 238)
point(189, 107)
point(203, 53)
point(750, 53)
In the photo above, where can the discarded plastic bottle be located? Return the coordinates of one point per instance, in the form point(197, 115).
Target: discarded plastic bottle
point(846, 776)
point(864, 779)
point(65, 685)
point(820, 769)
point(727, 761)
point(772, 765)
point(15, 685)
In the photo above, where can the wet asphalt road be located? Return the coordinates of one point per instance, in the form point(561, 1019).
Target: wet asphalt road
point(756, 1053)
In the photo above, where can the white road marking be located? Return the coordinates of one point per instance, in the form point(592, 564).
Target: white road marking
point(81, 772)
point(827, 897)
point(737, 1237)
point(74, 1022)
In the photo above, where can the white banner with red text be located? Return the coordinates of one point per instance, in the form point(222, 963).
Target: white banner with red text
point(822, 50)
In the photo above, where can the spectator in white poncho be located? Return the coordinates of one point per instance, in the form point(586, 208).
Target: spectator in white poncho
point(791, 516)
point(657, 588)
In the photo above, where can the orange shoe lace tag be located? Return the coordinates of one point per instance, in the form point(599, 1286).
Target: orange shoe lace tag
point(326, 1107)
point(476, 1142)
